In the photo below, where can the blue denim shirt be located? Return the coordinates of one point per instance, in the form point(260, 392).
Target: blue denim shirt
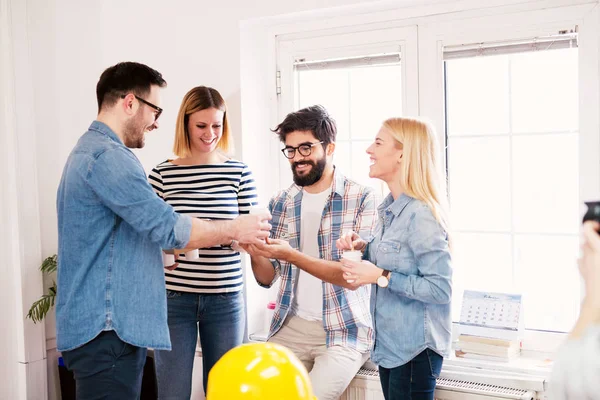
point(413, 312)
point(111, 228)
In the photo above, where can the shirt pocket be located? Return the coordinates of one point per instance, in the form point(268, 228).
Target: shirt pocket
point(396, 256)
point(388, 255)
point(281, 231)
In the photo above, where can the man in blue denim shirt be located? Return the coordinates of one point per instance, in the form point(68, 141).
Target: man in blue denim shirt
point(111, 301)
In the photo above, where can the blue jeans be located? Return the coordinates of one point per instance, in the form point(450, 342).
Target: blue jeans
point(220, 321)
point(414, 380)
point(107, 368)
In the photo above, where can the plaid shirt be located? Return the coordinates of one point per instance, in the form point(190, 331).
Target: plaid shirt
point(346, 313)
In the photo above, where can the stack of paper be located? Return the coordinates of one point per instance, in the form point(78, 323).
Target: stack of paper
point(485, 348)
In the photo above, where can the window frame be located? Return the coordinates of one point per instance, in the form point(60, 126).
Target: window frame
point(336, 44)
point(514, 26)
point(467, 24)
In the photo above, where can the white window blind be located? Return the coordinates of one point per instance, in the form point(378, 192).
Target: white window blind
point(562, 41)
point(350, 62)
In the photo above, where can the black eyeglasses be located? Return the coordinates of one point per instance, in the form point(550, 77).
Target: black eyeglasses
point(304, 150)
point(156, 108)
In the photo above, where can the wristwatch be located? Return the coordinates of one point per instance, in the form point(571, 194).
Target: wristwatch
point(383, 281)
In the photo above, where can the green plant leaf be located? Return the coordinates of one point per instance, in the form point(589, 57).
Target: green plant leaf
point(49, 265)
point(40, 308)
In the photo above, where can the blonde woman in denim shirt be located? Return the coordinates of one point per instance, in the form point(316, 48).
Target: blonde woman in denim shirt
point(409, 262)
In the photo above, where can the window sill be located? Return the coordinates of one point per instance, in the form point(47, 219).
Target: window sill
point(530, 371)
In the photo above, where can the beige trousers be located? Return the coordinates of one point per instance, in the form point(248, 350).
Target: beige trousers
point(330, 369)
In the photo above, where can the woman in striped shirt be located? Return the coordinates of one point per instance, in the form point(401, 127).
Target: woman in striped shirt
point(204, 295)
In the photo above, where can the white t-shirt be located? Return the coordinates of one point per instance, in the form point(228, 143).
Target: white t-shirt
point(308, 300)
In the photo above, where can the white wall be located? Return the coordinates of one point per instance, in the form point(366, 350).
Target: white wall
point(21, 342)
point(9, 296)
point(72, 42)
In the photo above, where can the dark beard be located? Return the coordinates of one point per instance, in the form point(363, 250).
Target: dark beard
point(133, 133)
point(316, 172)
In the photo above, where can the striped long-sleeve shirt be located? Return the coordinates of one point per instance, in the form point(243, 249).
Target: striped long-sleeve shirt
point(213, 192)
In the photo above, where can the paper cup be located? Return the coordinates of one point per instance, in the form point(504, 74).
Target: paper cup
point(192, 254)
point(168, 259)
point(352, 255)
point(259, 210)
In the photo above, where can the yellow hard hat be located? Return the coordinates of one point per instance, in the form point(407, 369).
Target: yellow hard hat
point(256, 371)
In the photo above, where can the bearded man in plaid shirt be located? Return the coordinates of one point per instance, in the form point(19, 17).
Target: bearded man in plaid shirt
point(322, 318)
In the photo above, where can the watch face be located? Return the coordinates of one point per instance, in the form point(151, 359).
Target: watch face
point(382, 281)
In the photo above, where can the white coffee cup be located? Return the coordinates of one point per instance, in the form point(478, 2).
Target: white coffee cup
point(352, 255)
point(192, 254)
point(168, 259)
point(259, 210)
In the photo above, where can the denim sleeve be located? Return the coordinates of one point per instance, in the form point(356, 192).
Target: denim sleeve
point(119, 181)
point(427, 240)
point(367, 253)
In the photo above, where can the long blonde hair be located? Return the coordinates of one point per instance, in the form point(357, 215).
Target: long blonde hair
point(420, 177)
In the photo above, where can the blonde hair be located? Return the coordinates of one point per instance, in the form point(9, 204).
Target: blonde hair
point(198, 99)
point(420, 178)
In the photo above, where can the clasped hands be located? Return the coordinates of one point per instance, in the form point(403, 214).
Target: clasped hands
point(271, 248)
point(359, 273)
point(245, 229)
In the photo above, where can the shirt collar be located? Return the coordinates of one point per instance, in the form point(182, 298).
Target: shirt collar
point(338, 182)
point(104, 129)
point(394, 206)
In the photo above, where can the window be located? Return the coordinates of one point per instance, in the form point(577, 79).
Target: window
point(513, 165)
point(360, 93)
point(361, 78)
point(505, 92)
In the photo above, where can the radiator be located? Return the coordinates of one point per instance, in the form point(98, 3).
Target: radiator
point(366, 386)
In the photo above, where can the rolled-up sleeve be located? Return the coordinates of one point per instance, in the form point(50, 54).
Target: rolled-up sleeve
point(182, 231)
point(277, 267)
point(126, 191)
